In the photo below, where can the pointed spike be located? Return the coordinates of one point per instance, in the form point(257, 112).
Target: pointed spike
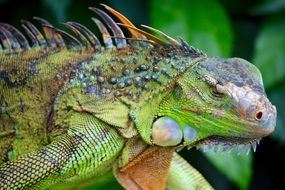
point(258, 141)
point(205, 148)
point(83, 39)
point(240, 148)
point(18, 35)
point(227, 148)
point(71, 42)
point(216, 148)
point(179, 149)
point(145, 41)
point(92, 38)
point(184, 44)
point(230, 150)
point(171, 40)
point(53, 37)
point(118, 15)
point(147, 35)
point(106, 36)
point(253, 144)
point(118, 33)
point(208, 148)
point(247, 149)
point(220, 148)
point(124, 20)
point(35, 42)
point(13, 41)
point(6, 42)
point(189, 48)
point(135, 36)
point(42, 21)
point(189, 147)
point(36, 33)
point(211, 147)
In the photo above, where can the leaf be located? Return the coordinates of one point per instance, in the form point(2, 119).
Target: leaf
point(238, 168)
point(203, 23)
point(269, 54)
point(268, 7)
point(277, 99)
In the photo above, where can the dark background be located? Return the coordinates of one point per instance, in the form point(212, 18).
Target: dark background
point(254, 30)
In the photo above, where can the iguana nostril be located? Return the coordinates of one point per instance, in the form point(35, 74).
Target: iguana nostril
point(258, 115)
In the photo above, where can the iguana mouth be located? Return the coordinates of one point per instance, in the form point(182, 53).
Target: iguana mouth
point(227, 144)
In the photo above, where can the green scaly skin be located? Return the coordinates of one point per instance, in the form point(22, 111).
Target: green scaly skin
point(67, 115)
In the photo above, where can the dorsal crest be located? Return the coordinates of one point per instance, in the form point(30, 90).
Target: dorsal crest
point(14, 41)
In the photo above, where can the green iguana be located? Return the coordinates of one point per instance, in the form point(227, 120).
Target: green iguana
point(72, 109)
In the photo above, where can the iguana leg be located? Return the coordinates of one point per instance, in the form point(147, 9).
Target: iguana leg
point(183, 176)
point(88, 148)
point(33, 168)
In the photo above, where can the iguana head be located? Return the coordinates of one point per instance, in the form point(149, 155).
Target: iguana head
point(218, 102)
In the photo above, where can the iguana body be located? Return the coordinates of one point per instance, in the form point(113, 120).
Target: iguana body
point(72, 110)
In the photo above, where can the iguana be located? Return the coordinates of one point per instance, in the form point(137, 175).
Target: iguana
point(73, 109)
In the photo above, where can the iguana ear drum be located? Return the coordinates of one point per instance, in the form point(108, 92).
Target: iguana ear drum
point(166, 132)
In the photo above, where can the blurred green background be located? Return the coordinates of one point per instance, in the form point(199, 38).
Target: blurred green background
point(254, 30)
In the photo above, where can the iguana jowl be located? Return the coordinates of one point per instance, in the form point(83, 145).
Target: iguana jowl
point(72, 109)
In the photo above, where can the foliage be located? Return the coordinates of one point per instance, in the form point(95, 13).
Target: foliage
point(271, 40)
point(194, 21)
point(236, 167)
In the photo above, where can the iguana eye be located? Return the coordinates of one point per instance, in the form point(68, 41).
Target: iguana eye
point(215, 92)
point(221, 89)
point(216, 89)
